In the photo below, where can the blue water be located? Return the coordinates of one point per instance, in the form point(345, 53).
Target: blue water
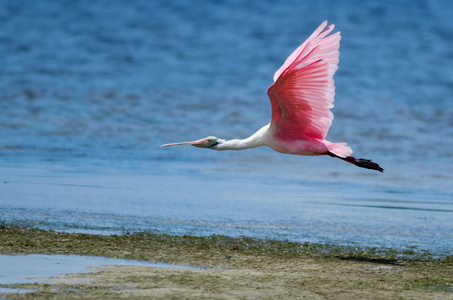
point(41, 267)
point(89, 90)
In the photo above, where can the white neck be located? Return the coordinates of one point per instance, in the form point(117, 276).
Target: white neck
point(256, 140)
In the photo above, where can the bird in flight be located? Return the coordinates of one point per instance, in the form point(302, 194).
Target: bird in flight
point(301, 98)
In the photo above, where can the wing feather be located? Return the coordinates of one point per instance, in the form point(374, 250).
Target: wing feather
point(303, 92)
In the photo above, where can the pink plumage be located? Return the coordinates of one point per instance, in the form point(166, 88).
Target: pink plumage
point(303, 94)
point(301, 98)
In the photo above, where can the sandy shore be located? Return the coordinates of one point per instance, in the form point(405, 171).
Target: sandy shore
point(233, 269)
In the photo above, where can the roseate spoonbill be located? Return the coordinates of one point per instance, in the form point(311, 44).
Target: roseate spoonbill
point(301, 98)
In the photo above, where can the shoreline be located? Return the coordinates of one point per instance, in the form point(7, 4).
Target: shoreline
point(233, 268)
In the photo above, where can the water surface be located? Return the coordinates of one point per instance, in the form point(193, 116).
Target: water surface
point(33, 268)
point(90, 90)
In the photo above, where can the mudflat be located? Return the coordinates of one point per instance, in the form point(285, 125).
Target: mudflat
point(232, 268)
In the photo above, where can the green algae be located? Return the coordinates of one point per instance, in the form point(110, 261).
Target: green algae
point(23, 240)
point(234, 265)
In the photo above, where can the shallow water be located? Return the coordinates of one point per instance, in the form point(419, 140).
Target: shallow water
point(317, 211)
point(89, 90)
point(39, 267)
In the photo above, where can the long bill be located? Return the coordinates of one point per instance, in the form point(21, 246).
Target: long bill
point(199, 142)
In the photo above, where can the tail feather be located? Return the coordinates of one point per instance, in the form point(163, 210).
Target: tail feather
point(360, 162)
point(340, 150)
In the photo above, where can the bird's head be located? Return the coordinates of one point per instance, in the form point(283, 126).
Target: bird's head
point(207, 142)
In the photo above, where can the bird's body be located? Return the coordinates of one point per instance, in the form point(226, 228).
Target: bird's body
point(301, 98)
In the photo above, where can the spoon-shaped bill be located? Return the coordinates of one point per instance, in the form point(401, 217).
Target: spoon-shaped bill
point(199, 142)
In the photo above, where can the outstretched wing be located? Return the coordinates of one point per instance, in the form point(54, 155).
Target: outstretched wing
point(303, 91)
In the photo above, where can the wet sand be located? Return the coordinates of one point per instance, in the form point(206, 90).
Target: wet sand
point(234, 268)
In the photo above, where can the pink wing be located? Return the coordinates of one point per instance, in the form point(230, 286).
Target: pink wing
point(303, 91)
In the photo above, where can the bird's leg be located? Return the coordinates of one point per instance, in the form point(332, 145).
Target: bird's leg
point(360, 162)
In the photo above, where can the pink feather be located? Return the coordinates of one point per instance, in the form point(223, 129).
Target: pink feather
point(303, 94)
